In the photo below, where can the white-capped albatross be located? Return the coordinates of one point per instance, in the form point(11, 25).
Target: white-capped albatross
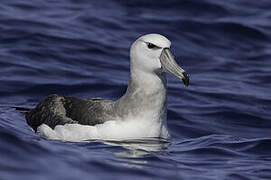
point(144, 101)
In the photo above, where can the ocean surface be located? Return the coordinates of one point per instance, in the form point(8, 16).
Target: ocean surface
point(220, 125)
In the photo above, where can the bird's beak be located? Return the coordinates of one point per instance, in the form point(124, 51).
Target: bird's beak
point(170, 66)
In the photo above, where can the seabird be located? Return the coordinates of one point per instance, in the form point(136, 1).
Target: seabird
point(145, 99)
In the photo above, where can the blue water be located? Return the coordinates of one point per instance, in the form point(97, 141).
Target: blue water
point(220, 124)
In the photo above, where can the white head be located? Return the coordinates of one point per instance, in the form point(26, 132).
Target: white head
point(150, 53)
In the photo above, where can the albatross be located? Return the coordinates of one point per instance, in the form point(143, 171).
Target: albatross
point(144, 102)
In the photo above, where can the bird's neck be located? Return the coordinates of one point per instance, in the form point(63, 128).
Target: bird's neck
point(145, 96)
point(147, 84)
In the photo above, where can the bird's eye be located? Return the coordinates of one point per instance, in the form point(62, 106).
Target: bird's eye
point(151, 46)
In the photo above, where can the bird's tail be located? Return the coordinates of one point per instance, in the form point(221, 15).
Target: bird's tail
point(23, 110)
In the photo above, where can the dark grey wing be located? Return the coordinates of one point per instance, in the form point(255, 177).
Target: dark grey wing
point(89, 111)
point(58, 110)
point(50, 111)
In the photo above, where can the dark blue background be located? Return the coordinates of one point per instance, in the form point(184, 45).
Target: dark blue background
point(220, 124)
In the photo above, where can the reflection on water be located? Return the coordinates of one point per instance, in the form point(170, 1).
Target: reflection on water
point(140, 147)
point(137, 149)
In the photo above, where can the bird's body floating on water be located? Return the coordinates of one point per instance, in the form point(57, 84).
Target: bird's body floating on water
point(144, 102)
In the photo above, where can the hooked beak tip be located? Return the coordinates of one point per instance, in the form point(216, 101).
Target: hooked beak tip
point(185, 78)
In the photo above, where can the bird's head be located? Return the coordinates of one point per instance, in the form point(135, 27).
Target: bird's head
point(151, 53)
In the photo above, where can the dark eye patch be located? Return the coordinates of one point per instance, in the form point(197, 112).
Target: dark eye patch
point(152, 46)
